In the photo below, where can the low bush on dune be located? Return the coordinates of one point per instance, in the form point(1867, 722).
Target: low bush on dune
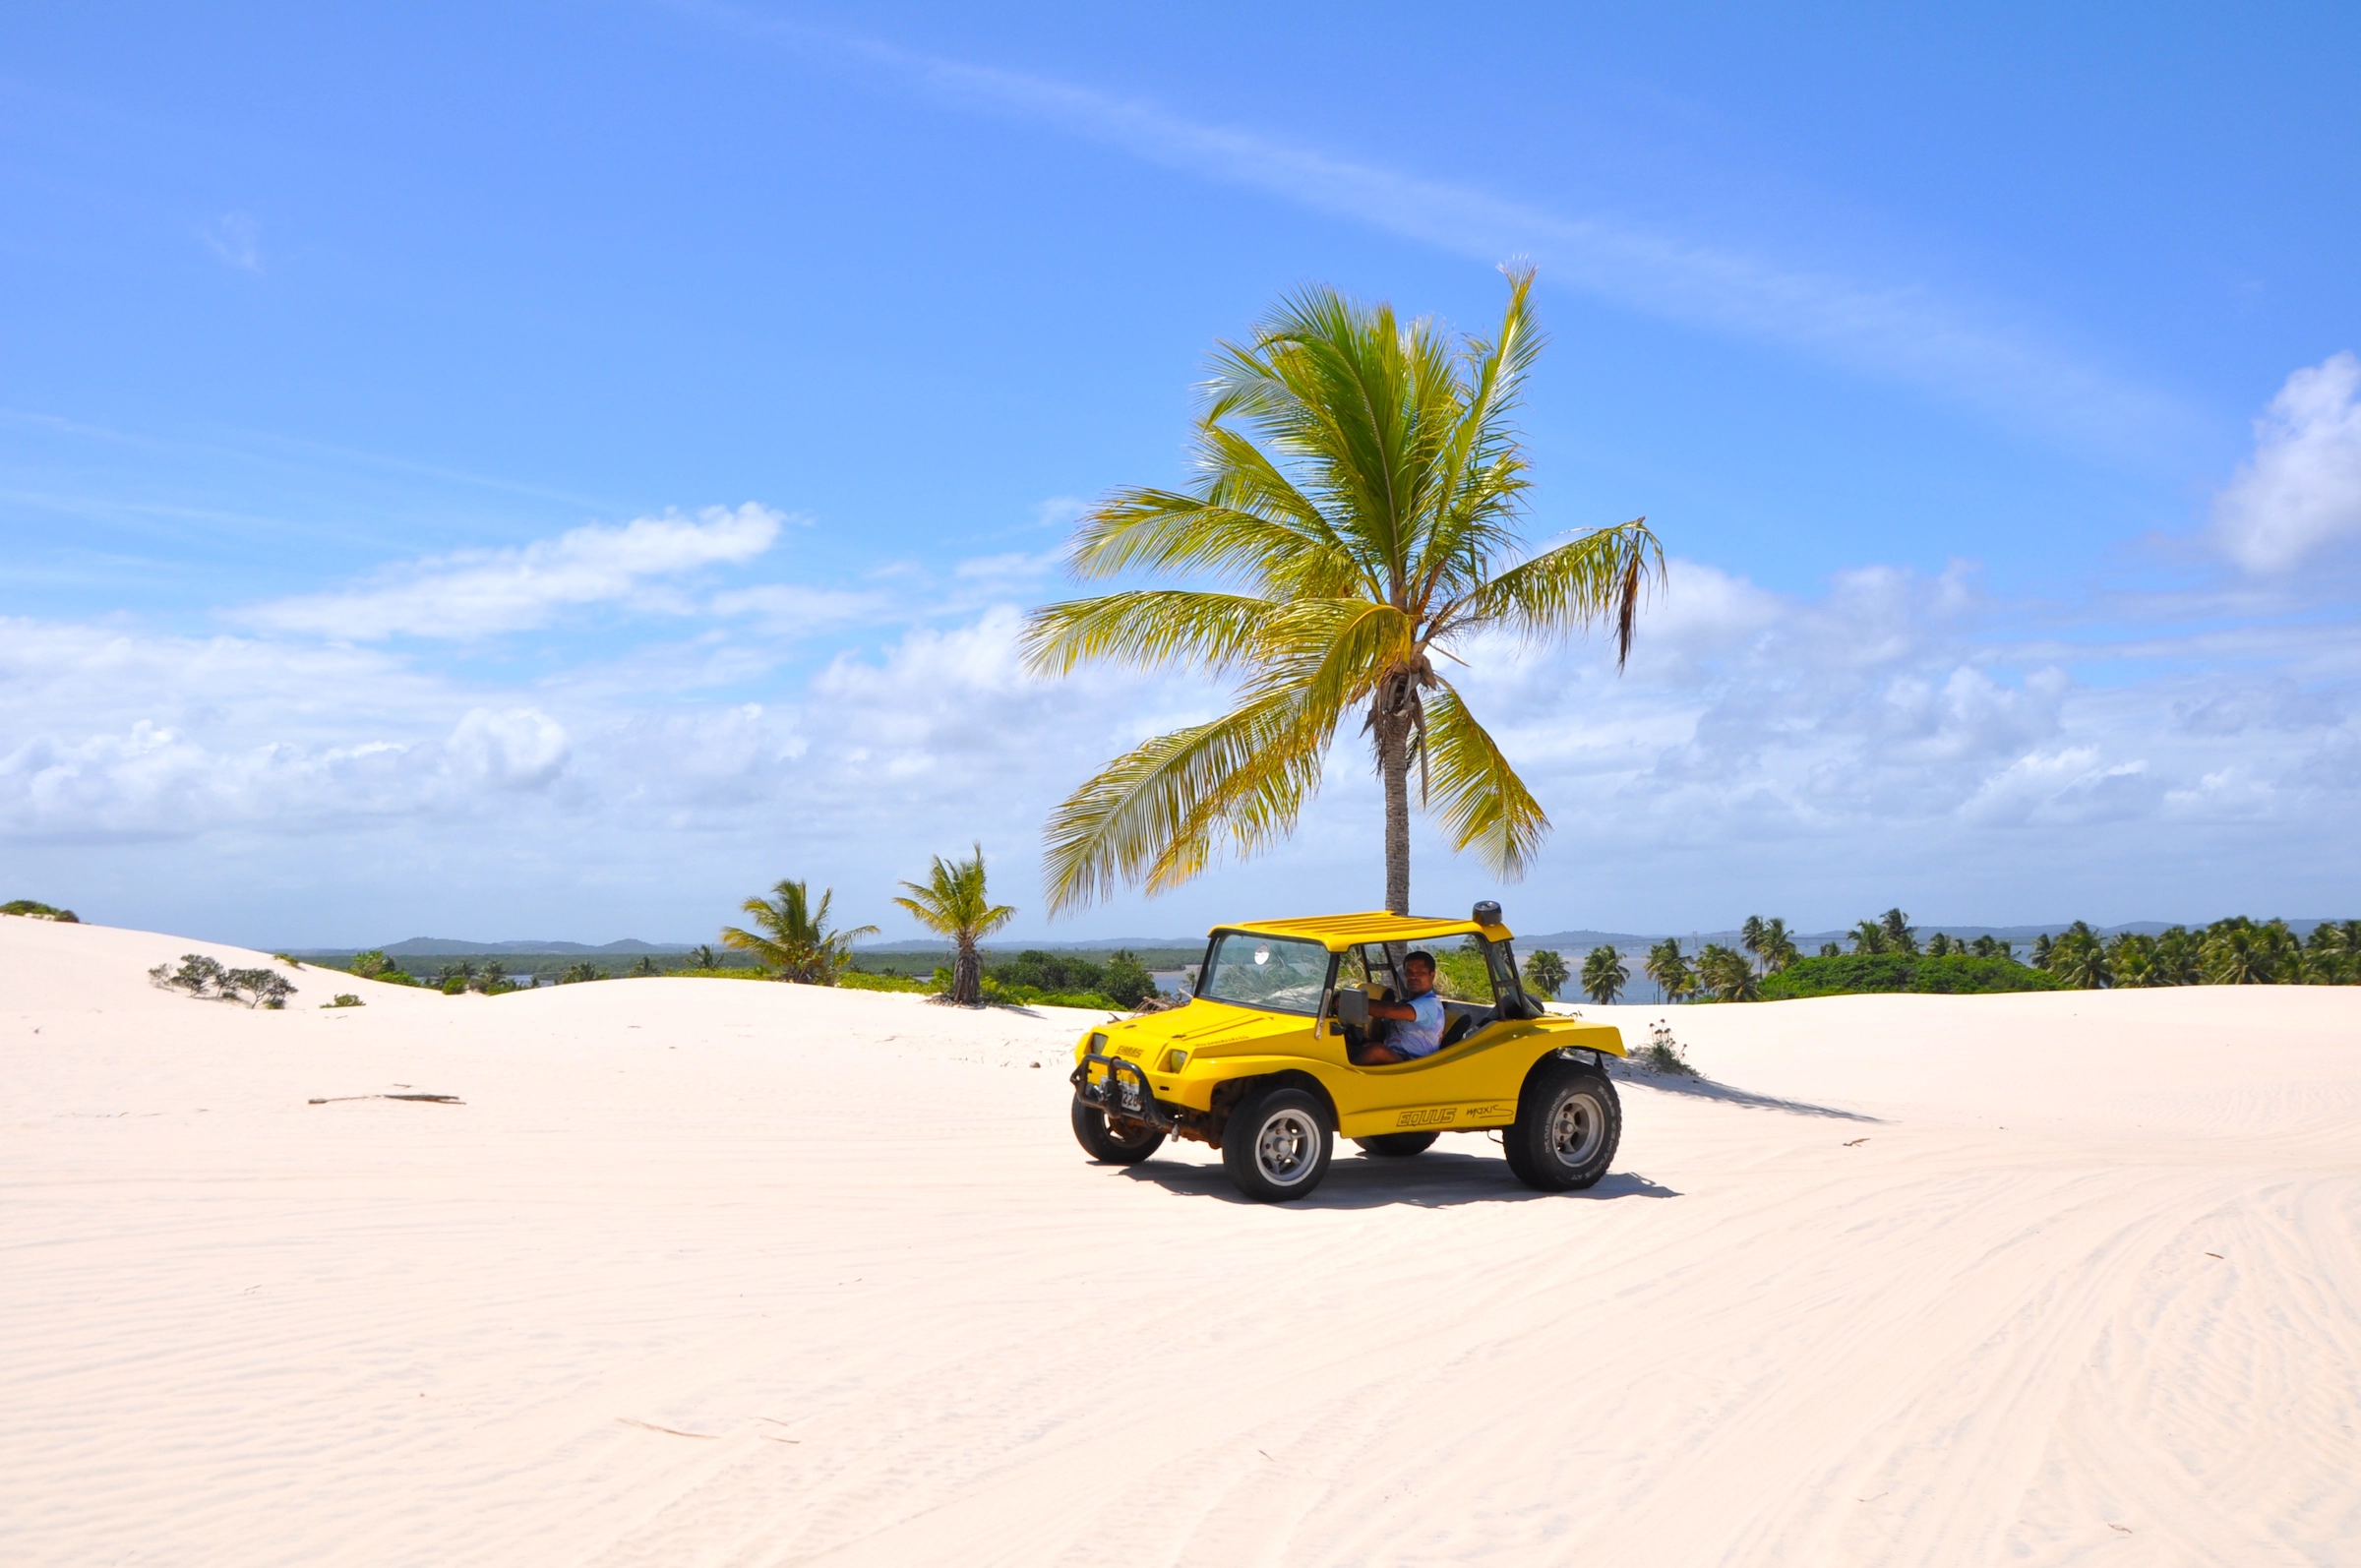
point(1001, 992)
point(375, 965)
point(34, 909)
point(857, 979)
point(1662, 1052)
point(345, 998)
point(203, 976)
point(1854, 974)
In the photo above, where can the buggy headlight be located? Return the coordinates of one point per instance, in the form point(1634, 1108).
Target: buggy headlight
point(1098, 1045)
point(1174, 1061)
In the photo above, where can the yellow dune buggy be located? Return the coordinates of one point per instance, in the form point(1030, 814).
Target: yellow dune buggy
point(1261, 1062)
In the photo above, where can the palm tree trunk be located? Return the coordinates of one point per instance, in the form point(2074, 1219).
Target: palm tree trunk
point(967, 972)
point(1393, 767)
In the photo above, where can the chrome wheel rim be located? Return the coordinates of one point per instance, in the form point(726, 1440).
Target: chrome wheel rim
point(1577, 1127)
point(1286, 1146)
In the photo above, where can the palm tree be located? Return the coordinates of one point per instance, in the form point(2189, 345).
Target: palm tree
point(703, 956)
point(1546, 973)
point(795, 941)
point(1869, 938)
point(2179, 958)
point(1899, 937)
point(953, 902)
point(1605, 975)
point(1361, 484)
point(2078, 959)
point(1941, 945)
point(2131, 960)
point(1751, 934)
point(2237, 955)
point(1726, 973)
point(1777, 948)
point(1671, 970)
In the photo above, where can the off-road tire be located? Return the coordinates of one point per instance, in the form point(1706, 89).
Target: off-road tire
point(1117, 1143)
point(1568, 1126)
point(1398, 1145)
point(1278, 1144)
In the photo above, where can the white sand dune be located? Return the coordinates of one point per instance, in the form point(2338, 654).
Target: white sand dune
point(714, 1273)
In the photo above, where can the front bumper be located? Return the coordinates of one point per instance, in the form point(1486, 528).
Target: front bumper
point(1123, 1092)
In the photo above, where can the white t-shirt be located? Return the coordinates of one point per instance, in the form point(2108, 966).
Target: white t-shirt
point(1421, 1036)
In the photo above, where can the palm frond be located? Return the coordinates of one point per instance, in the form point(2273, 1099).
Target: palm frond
point(1145, 629)
point(1599, 577)
point(1168, 531)
point(1152, 815)
point(1477, 797)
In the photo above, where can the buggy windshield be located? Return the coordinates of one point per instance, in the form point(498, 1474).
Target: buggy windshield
point(1270, 972)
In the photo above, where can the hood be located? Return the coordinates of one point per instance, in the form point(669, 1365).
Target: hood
point(1199, 1026)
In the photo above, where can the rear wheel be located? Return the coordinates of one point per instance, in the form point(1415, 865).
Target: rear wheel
point(1277, 1144)
point(1116, 1142)
point(1398, 1145)
point(1568, 1126)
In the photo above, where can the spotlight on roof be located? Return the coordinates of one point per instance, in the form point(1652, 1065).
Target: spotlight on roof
point(1486, 913)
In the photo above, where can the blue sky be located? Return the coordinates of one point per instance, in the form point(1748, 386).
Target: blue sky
point(552, 470)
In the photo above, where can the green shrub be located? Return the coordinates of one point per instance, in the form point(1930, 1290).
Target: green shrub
point(856, 980)
point(1662, 1052)
point(576, 974)
point(1857, 974)
point(40, 911)
point(720, 972)
point(345, 998)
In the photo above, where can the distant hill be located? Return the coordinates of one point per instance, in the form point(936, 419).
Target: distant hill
point(452, 947)
point(937, 945)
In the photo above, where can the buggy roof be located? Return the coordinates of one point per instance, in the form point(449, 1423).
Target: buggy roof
point(1336, 933)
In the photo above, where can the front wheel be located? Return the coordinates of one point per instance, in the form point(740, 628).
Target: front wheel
point(1277, 1144)
point(1116, 1142)
point(1568, 1124)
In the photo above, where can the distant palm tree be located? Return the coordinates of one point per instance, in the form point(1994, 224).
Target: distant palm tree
point(2179, 958)
point(1726, 973)
point(1831, 950)
point(2131, 960)
point(1603, 975)
point(795, 941)
point(1940, 945)
point(2079, 960)
point(1545, 972)
point(703, 957)
point(1869, 938)
point(1899, 937)
point(953, 902)
point(1751, 934)
point(2236, 957)
point(1671, 970)
point(1361, 484)
point(1777, 948)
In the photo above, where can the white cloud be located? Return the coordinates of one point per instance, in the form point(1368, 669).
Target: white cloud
point(791, 609)
point(480, 593)
point(1883, 733)
point(236, 238)
point(519, 748)
point(2300, 492)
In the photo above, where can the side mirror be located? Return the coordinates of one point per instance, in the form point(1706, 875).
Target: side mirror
point(1353, 1007)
